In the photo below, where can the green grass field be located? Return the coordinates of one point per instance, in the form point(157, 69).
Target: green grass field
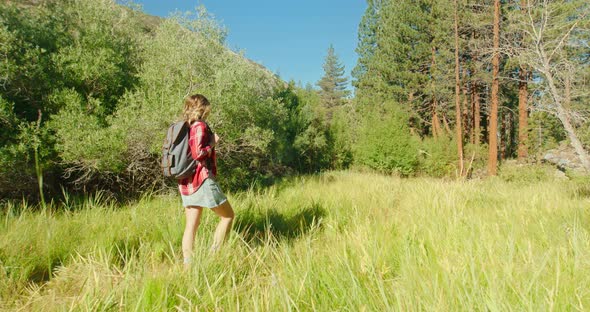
point(337, 241)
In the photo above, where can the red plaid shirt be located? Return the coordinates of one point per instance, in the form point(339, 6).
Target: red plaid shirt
point(201, 150)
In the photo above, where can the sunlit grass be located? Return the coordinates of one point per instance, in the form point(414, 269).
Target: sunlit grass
point(338, 241)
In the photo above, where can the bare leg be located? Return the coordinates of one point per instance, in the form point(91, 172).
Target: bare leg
point(193, 219)
point(227, 217)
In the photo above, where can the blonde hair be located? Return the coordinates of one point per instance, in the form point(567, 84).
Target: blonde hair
point(196, 107)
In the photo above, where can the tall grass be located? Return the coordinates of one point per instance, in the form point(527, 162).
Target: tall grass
point(338, 241)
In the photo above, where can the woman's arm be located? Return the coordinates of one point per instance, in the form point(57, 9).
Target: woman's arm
point(213, 141)
point(200, 148)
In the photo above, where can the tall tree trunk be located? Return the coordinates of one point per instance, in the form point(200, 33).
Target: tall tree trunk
point(475, 117)
point(471, 119)
point(446, 123)
point(523, 95)
point(458, 118)
point(475, 99)
point(503, 124)
point(436, 129)
point(493, 125)
point(38, 168)
point(465, 117)
point(522, 113)
point(476, 113)
point(507, 134)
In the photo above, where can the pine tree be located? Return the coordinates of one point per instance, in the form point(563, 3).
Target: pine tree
point(412, 61)
point(367, 44)
point(458, 119)
point(333, 84)
point(477, 29)
point(401, 60)
point(493, 127)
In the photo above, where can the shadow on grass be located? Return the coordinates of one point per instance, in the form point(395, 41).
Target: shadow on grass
point(41, 273)
point(581, 188)
point(122, 250)
point(256, 226)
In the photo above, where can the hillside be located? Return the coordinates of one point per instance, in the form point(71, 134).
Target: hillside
point(150, 24)
point(99, 83)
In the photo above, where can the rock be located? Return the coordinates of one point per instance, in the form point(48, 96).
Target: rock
point(558, 174)
point(564, 157)
point(549, 156)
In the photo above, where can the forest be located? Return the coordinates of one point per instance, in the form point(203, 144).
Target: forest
point(452, 176)
point(503, 80)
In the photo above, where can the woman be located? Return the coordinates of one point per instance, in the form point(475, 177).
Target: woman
point(200, 190)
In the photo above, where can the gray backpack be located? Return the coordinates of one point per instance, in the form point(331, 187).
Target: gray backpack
point(177, 161)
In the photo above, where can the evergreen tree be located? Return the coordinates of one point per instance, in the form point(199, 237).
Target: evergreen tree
point(405, 55)
point(402, 56)
point(333, 83)
point(492, 138)
point(367, 44)
point(458, 116)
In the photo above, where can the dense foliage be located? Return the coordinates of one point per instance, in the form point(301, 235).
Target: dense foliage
point(89, 88)
point(386, 143)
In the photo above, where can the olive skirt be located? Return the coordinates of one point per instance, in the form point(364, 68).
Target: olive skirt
point(209, 195)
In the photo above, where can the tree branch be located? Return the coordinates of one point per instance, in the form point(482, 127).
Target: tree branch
point(565, 36)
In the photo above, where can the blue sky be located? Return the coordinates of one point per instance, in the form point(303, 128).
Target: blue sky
point(288, 37)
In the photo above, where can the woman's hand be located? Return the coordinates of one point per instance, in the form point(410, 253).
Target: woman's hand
point(214, 140)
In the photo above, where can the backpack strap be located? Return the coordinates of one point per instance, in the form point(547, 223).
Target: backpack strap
point(167, 142)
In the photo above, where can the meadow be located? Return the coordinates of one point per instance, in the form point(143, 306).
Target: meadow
point(340, 240)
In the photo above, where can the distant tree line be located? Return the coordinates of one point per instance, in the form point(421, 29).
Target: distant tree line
point(88, 88)
point(495, 79)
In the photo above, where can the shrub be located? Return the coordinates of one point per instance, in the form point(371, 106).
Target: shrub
point(476, 156)
point(385, 143)
point(108, 84)
point(584, 134)
point(438, 156)
point(342, 132)
point(511, 172)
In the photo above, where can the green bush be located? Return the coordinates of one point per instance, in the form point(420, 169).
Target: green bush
point(82, 139)
point(313, 144)
point(476, 157)
point(512, 172)
point(584, 134)
point(67, 63)
point(385, 143)
point(245, 114)
point(108, 82)
point(439, 156)
point(342, 131)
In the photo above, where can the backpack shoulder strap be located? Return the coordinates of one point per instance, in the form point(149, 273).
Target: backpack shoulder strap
point(178, 129)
